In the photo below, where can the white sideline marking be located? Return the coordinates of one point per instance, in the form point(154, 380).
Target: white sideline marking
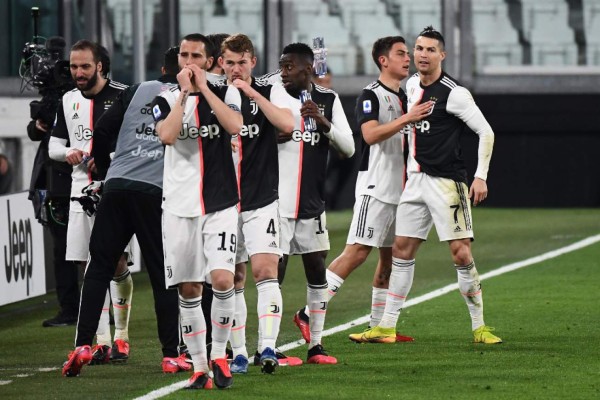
point(155, 394)
point(5, 382)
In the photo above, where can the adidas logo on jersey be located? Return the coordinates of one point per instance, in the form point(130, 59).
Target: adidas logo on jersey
point(273, 244)
point(230, 261)
point(391, 108)
point(75, 116)
point(457, 229)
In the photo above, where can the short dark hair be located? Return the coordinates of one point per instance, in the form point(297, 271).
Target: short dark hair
point(170, 63)
point(216, 39)
point(301, 49)
point(198, 37)
point(431, 33)
point(382, 47)
point(98, 51)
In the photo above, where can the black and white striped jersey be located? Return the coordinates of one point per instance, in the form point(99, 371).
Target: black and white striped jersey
point(74, 128)
point(199, 177)
point(434, 142)
point(381, 173)
point(303, 159)
point(257, 165)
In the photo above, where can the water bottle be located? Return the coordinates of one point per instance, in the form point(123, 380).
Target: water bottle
point(320, 52)
point(310, 125)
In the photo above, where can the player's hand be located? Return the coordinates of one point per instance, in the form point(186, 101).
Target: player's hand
point(419, 111)
point(91, 164)
point(198, 77)
point(244, 87)
point(184, 78)
point(310, 109)
point(75, 156)
point(284, 137)
point(478, 191)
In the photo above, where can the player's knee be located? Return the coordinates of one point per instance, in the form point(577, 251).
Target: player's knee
point(461, 255)
point(239, 278)
point(222, 280)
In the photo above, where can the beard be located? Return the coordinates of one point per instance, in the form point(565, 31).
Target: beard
point(89, 84)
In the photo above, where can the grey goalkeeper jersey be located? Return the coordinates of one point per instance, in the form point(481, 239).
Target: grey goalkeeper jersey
point(139, 154)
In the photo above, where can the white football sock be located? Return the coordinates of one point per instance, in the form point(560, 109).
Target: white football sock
point(317, 300)
point(193, 327)
point(334, 282)
point(401, 281)
point(121, 290)
point(238, 330)
point(222, 311)
point(470, 289)
point(378, 298)
point(269, 310)
point(103, 332)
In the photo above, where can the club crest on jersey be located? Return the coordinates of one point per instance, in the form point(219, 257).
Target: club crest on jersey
point(434, 99)
point(367, 108)
point(156, 112)
point(253, 107)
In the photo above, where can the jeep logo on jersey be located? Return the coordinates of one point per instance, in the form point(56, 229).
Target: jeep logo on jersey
point(192, 132)
point(250, 130)
point(422, 126)
point(83, 133)
point(312, 138)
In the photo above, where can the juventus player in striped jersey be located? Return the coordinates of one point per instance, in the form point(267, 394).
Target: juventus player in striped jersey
point(71, 141)
point(302, 170)
point(266, 112)
point(199, 204)
point(382, 117)
point(436, 192)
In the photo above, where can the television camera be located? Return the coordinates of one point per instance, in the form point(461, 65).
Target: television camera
point(43, 67)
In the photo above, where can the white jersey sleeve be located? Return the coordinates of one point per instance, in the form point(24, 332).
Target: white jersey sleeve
point(462, 104)
point(233, 99)
point(57, 148)
point(340, 135)
point(279, 96)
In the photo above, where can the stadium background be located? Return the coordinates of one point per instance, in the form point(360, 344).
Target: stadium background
point(533, 66)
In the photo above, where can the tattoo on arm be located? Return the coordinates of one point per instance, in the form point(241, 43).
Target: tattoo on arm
point(184, 97)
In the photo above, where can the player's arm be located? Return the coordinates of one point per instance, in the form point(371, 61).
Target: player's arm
point(228, 115)
point(57, 146)
point(374, 132)
point(461, 104)
point(337, 130)
point(169, 114)
point(276, 109)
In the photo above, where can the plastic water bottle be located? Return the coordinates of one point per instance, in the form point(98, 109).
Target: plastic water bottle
point(310, 124)
point(320, 52)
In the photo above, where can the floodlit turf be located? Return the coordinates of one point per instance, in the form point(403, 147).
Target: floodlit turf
point(547, 315)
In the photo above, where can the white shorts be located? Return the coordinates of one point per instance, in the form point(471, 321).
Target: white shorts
point(429, 200)
point(79, 230)
point(372, 223)
point(302, 236)
point(196, 246)
point(259, 231)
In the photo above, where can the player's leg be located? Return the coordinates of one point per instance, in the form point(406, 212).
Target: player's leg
point(220, 244)
point(238, 330)
point(121, 292)
point(186, 269)
point(108, 238)
point(261, 233)
point(146, 213)
point(451, 211)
